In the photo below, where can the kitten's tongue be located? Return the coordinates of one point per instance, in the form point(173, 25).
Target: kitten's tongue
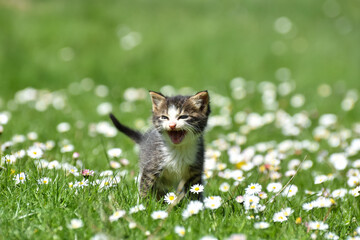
point(176, 136)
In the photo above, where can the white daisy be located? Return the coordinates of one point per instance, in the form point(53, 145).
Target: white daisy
point(224, 187)
point(180, 231)
point(279, 217)
point(114, 152)
point(274, 187)
point(290, 191)
point(197, 188)
point(331, 235)
point(159, 215)
point(8, 159)
point(35, 153)
point(320, 179)
point(170, 198)
point(136, 209)
point(253, 188)
point(75, 223)
point(213, 202)
point(261, 225)
point(20, 178)
point(116, 215)
point(44, 180)
point(317, 225)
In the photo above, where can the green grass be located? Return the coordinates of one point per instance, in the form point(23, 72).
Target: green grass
point(196, 44)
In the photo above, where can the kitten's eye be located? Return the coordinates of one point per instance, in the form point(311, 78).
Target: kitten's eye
point(183, 117)
point(163, 117)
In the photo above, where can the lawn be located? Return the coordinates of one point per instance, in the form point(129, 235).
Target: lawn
point(283, 78)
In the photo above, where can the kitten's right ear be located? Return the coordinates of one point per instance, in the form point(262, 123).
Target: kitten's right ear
point(157, 99)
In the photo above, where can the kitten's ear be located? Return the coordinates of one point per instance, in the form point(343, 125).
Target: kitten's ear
point(157, 99)
point(201, 101)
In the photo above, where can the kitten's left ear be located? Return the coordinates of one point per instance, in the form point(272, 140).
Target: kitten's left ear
point(157, 99)
point(201, 101)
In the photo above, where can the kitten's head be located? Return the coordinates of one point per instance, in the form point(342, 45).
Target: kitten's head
point(181, 117)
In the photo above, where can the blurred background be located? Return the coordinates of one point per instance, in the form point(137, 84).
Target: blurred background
point(202, 44)
point(76, 55)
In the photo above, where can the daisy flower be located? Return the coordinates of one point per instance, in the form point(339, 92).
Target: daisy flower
point(322, 202)
point(320, 179)
point(159, 215)
point(251, 199)
point(263, 195)
point(114, 152)
point(116, 215)
point(339, 193)
point(63, 127)
point(261, 225)
point(213, 202)
point(290, 191)
point(20, 154)
point(75, 223)
point(132, 225)
point(355, 192)
point(67, 148)
point(44, 180)
point(74, 171)
point(279, 217)
point(253, 188)
point(331, 235)
point(239, 199)
point(82, 183)
point(317, 225)
point(193, 208)
point(115, 165)
point(106, 183)
point(54, 165)
point(136, 209)
point(287, 211)
point(197, 188)
point(35, 153)
point(8, 159)
point(20, 178)
point(224, 187)
point(87, 172)
point(170, 198)
point(308, 206)
point(179, 230)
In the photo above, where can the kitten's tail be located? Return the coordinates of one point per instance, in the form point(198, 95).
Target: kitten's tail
point(133, 134)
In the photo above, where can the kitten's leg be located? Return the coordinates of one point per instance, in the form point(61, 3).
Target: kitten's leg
point(147, 181)
point(195, 178)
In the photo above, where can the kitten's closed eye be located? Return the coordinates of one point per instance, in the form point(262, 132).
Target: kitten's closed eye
point(163, 117)
point(183, 117)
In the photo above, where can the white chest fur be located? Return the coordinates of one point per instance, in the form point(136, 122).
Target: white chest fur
point(176, 164)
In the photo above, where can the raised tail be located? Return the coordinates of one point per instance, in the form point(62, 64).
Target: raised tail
point(133, 134)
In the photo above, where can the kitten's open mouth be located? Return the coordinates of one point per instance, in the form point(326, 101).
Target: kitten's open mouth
point(177, 136)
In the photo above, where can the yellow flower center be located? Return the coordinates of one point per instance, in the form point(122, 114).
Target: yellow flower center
point(252, 187)
point(197, 189)
point(21, 178)
point(171, 198)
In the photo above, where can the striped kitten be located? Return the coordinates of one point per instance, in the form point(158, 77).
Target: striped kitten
point(173, 150)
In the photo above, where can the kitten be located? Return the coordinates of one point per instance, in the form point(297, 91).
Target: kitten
point(173, 150)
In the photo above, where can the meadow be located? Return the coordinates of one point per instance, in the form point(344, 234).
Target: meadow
point(282, 143)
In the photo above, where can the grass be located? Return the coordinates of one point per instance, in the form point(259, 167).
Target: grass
point(52, 45)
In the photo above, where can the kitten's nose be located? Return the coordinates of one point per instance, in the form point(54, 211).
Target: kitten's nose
point(172, 125)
